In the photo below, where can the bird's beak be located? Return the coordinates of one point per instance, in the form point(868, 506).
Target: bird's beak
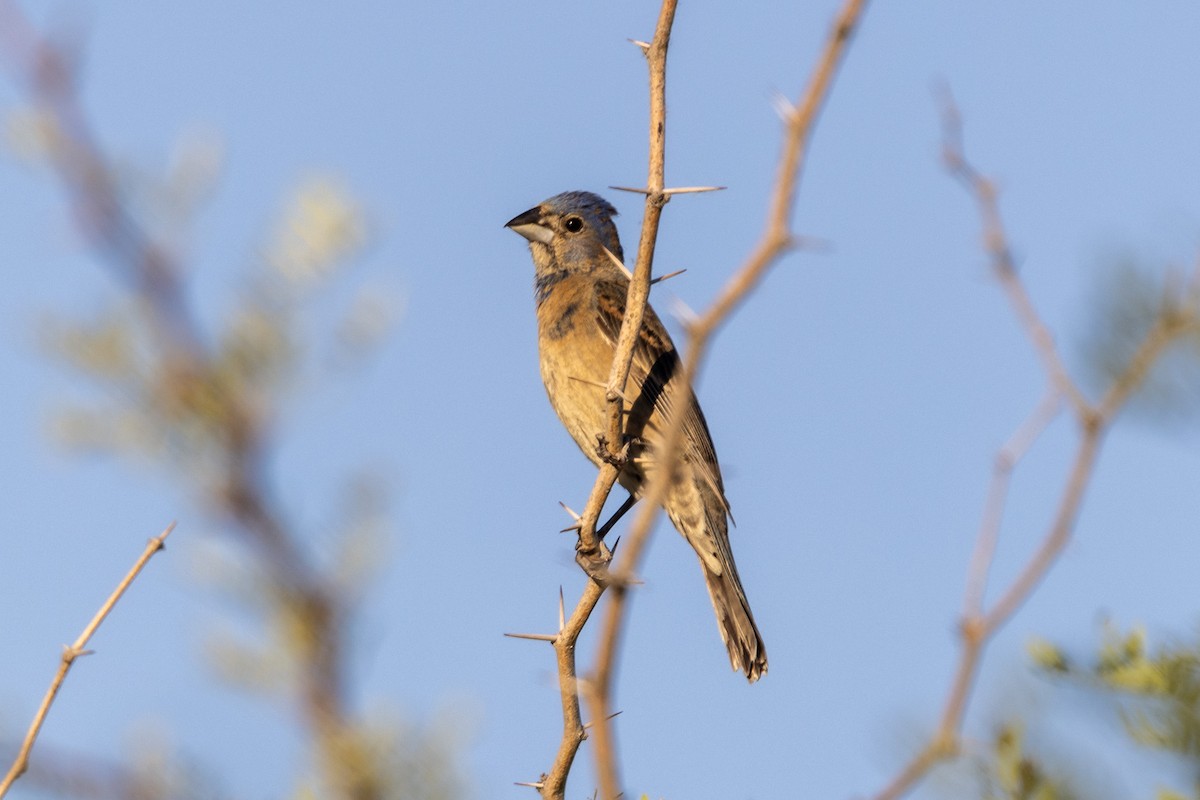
point(528, 225)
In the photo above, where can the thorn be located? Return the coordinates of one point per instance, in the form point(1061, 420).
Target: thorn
point(811, 243)
point(693, 190)
point(783, 106)
point(534, 637)
point(618, 262)
point(537, 785)
point(668, 193)
point(610, 717)
point(562, 611)
point(667, 277)
point(598, 384)
point(644, 45)
point(162, 537)
point(578, 520)
point(683, 312)
point(616, 542)
point(588, 382)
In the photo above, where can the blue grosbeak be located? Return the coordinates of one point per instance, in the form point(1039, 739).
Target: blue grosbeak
point(580, 295)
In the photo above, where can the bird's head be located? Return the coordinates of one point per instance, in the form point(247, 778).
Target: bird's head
point(569, 232)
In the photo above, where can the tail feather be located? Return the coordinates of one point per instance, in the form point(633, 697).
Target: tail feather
point(747, 653)
point(700, 515)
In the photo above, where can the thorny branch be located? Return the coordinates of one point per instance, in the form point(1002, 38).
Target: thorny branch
point(590, 555)
point(777, 239)
point(71, 653)
point(979, 624)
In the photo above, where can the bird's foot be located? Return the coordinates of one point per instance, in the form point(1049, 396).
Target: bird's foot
point(608, 456)
point(594, 561)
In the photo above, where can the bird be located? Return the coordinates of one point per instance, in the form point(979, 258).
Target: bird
point(580, 292)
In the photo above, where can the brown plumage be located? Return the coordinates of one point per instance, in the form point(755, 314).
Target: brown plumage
point(580, 306)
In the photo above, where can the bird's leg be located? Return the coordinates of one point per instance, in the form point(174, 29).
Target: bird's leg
point(620, 512)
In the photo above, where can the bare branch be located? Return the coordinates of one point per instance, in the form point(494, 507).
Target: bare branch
point(980, 625)
point(74, 651)
point(989, 530)
point(995, 239)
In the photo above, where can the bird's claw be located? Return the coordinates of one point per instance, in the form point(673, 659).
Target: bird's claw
point(594, 562)
point(606, 455)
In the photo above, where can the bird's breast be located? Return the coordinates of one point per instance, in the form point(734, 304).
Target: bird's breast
point(575, 359)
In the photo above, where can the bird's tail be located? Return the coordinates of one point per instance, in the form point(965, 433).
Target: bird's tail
point(747, 653)
point(699, 511)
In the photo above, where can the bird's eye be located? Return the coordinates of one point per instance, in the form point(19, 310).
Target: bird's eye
point(573, 224)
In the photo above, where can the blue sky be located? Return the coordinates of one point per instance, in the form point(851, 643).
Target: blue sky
point(856, 401)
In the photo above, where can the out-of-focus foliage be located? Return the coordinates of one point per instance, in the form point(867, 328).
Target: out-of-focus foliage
point(191, 408)
point(1011, 773)
point(154, 770)
point(409, 762)
point(205, 398)
point(1157, 692)
point(358, 540)
point(1130, 298)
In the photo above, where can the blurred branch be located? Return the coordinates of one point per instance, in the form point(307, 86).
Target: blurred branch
point(209, 396)
point(1006, 461)
point(74, 651)
point(151, 775)
point(1179, 314)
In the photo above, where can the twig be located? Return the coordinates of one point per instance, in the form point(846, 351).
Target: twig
point(983, 191)
point(592, 554)
point(604, 747)
point(980, 625)
point(639, 285)
point(554, 782)
point(989, 529)
point(74, 651)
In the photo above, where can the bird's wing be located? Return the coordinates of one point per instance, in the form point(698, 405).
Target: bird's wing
point(656, 368)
